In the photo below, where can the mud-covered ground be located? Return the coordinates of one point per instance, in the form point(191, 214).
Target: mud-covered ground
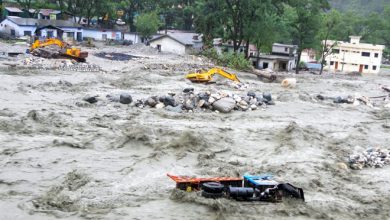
point(62, 157)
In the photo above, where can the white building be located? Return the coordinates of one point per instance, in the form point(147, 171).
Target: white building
point(179, 42)
point(308, 56)
point(18, 27)
point(354, 56)
point(109, 34)
point(282, 58)
point(102, 34)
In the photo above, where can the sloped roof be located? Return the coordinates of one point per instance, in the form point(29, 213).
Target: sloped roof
point(42, 22)
point(47, 12)
point(285, 45)
point(185, 38)
point(166, 35)
point(12, 9)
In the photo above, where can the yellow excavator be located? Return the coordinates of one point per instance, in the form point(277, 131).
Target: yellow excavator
point(54, 48)
point(203, 76)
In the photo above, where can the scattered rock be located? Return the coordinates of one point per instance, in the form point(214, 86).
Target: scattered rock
point(151, 102)
point(371, 158)
point(224, 105)
point(251, 94)
point(267, 96)
point(201, 103)
point(168, 100)
point(125, 98)
point(211, 100)
point(188, 90)
point(160, 105)
point(90, 99)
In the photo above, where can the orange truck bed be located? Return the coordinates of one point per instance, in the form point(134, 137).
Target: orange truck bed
point(191, 183)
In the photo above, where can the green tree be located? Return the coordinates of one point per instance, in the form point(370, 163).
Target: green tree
point(267, 26)
point(147, 24)
point(329, 22)
point(208, 20)
point(304, 17)
point(26, 4)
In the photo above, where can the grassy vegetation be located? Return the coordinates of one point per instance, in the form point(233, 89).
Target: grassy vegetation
point(235, 61)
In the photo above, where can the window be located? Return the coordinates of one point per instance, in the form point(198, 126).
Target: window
point(365, 54)
point(366, 67)
point(335, 51)
point(27, 33)
point(376, 55)
point(265, 65)
point(49, 34)
point(104, 36)
point(286, 49)
point(331, 63)
point(373, 67)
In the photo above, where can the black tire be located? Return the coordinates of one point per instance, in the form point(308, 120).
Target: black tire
point(211, 195)
point(213, 187)
point(289, 190)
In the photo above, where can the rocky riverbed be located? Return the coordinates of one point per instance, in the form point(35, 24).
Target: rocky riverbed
point(65, 158)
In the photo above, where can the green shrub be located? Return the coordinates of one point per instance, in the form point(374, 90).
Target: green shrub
point(232, 60)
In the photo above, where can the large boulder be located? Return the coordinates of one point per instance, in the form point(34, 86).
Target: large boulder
point(168, 100)
point(125, 98)
point(224, 105)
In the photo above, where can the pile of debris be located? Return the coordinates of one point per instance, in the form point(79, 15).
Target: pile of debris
point(189, 101)
point(371, 158)
point(72, 65)
point(59, 64)
point(357, 100)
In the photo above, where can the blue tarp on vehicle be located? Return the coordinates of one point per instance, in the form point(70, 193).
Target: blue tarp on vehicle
point(313, 66)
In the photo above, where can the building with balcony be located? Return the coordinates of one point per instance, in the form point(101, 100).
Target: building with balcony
point(354, 56)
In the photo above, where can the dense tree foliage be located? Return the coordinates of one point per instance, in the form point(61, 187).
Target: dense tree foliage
point(147, 24)
point(261, 22)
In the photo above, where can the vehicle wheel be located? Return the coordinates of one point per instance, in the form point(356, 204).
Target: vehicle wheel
point(211, 195)
point(213, 187)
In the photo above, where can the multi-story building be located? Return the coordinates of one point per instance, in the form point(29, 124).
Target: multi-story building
point(282, 58)
point(354, 56)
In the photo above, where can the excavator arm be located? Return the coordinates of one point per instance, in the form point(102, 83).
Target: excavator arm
point(223, 73)
point(206, 76)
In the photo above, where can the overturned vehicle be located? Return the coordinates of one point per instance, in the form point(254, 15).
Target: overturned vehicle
point(249, 188)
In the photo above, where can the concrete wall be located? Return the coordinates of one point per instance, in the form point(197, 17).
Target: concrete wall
point(282, 49)
point(169, 45)
point(276, 65)
point(134, 37)
point(98, 34)
point(260, 64)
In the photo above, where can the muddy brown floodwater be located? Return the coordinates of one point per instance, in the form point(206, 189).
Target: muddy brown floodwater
point(63, 158)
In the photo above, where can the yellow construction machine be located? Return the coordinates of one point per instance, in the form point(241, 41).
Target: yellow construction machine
point(54, 48)
point(206, 76)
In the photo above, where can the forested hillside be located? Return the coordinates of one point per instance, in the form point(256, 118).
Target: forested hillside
point(363, 6)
